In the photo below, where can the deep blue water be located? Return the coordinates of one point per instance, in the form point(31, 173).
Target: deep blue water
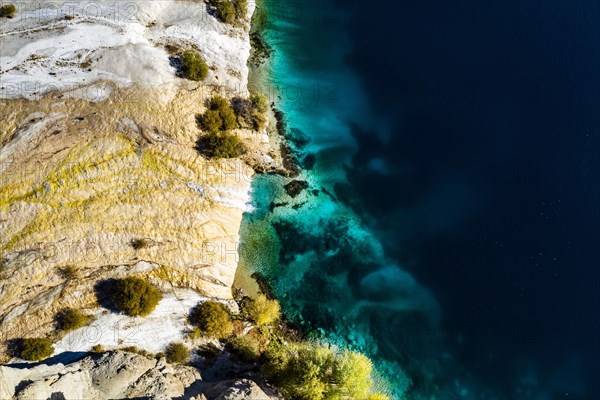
point(451, 229)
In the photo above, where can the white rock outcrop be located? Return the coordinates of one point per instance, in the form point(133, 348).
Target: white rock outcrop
point(118, 375)
point(97, 151)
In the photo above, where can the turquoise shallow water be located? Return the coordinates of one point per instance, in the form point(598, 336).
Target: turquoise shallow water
point(328, 270)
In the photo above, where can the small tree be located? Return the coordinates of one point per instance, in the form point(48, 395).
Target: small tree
point(135, 296)
point(8, 10)
point(35, 349)
point(213, 319)
point(177, 353)
point(262, 310)
point(70, 319)
point(193, 65)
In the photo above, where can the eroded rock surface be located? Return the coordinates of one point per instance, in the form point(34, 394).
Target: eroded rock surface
point(99, 175)
point(117, 374)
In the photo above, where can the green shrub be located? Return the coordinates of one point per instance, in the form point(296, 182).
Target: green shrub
point(70, 319)
point(259, 102)
point(177, 353)
point(228, 118)
point(135, 296)
point(217, 103)
point(226, 113)
point(211, 121)
point(8, 10)
point(220, 145)
point(225, 11)
point(230, 11)
point(35, 349)
point(352, 375)
point(246, 347)
point(213, 319)
point(306, 371)
point(220, 117)
point(262, 310)
point(193, 65)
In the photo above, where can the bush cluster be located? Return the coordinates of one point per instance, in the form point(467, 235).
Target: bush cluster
point(222, 117)
point(177, 353)
point(8, 11)
point(301, 370)
point(230, 11)
point(193, 65)
point(251, 112)
point(261, 310)
point(217, 121)
point(307, 371)
point(35, 349)
point(135, 296)
point(213, 319)
point(70, 319)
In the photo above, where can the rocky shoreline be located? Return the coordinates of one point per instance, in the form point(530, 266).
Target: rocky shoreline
point(128, 146)
point(101, 180)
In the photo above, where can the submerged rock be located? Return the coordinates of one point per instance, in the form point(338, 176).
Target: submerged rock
point(294, 188)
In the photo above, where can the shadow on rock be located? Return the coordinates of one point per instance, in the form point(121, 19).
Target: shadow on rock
point(105, 294)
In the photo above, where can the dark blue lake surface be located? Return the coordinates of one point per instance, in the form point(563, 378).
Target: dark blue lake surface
point(451, 227)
